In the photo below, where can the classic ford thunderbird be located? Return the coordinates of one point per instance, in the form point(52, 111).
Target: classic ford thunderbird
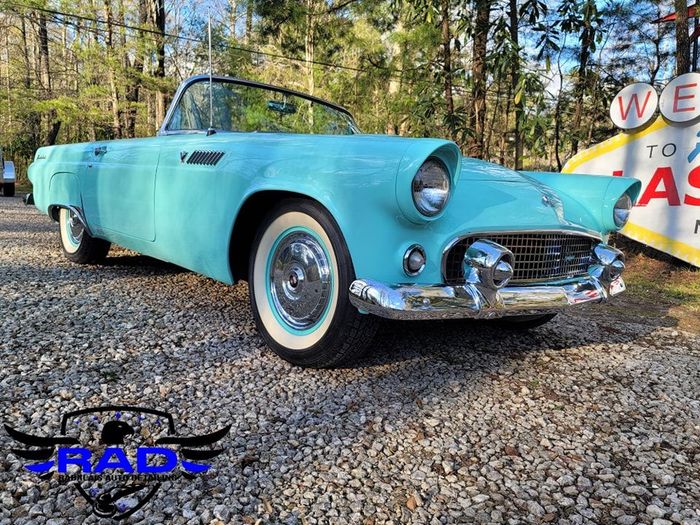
point(331, 227)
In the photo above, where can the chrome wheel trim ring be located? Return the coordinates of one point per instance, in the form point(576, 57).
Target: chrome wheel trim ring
point(300, 280)
point(74, 228)
point(278, 330)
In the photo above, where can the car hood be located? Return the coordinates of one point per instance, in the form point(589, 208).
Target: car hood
point(480, 170)
point(497, 198)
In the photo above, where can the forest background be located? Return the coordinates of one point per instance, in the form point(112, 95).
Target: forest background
point(525, 83)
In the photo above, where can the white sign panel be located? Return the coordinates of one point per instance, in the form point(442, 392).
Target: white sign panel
point(666, 158)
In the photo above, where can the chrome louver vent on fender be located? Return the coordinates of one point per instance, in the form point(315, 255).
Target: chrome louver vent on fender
point(204, 158)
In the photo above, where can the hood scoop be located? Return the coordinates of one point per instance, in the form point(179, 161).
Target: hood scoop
point(203, 158)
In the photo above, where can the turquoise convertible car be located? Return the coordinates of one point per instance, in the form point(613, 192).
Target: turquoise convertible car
point(330, 227)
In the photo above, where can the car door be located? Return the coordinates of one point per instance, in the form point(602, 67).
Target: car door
point(118, 187)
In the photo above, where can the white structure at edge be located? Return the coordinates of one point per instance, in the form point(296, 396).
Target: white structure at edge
point(664, 153)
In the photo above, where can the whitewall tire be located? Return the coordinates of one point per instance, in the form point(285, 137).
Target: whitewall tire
point(299, 275)
point(77, 244)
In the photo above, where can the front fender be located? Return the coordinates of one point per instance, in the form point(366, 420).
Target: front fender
point(367, 193)
point(588, 200)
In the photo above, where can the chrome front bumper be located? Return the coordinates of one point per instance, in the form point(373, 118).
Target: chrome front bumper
point(406, 301)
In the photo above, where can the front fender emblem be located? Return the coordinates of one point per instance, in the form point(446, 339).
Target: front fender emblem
point(183, 156)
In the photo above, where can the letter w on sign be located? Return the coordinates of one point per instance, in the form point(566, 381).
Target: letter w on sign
point(634, 106)
point(633, 101)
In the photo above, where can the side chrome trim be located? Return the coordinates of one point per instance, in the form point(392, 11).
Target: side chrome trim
point(487, 232)
point(77, 211)
point(416, 302)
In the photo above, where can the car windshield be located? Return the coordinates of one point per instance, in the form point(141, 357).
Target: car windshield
point(252, 108)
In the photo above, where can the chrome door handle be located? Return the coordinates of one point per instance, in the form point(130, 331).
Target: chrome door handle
point(100, 150)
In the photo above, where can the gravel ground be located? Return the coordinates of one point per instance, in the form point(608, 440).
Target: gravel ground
point(585, 420)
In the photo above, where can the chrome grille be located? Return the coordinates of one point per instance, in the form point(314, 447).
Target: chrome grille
point(539, 256)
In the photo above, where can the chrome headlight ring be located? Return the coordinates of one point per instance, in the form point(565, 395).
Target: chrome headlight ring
point(431, 187)
point(621, 210)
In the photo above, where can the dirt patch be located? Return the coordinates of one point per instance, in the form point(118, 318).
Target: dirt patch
point(661, 290)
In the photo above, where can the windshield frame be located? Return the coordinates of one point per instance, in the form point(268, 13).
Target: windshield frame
point(186, 84)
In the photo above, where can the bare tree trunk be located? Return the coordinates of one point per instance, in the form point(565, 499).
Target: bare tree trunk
point(657, 51)
point(514, 80)
point(44, 72)
point(54, 125)
point(233, 18)
point(447, 67)
point(557, 112)
point(581, 82)
point(309, 42)
point(494, 118)
point(503, 143)
point(9, 92)
point(477, 114)
point(134, 70)
point(116, 116)
point(125, 109)
point(249, 12)
point(682, 37)
point(159, 17)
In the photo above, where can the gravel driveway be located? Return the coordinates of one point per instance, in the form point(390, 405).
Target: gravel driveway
point(585, 420)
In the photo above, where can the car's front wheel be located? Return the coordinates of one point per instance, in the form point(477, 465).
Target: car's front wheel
point(78, 245)
point(8, 189)
point(299, 275)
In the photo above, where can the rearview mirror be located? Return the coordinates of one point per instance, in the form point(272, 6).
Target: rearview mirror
point(282, 107)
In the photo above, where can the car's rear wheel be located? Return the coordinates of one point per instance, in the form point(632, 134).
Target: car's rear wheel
point(525, 322)
point(8, 189)
point(299, 275)
point(78, 245)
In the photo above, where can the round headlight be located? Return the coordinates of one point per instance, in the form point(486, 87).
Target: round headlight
point(431, 187)
point(621, 211)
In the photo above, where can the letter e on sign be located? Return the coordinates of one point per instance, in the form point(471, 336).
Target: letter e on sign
point(634, 106)
point(680, 99)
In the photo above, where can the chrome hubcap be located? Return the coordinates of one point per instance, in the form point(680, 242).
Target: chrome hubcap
point(300, 280)
point(75, 228)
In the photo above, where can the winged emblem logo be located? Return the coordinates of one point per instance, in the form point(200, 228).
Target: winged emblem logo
point(117, 457)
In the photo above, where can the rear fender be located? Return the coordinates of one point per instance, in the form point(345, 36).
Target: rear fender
point(63, 192)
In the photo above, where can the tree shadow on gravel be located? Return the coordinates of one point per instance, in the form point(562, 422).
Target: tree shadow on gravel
point(142, 261)
point(456, 341)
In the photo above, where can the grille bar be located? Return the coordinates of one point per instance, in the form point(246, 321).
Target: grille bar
point(539, 256)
